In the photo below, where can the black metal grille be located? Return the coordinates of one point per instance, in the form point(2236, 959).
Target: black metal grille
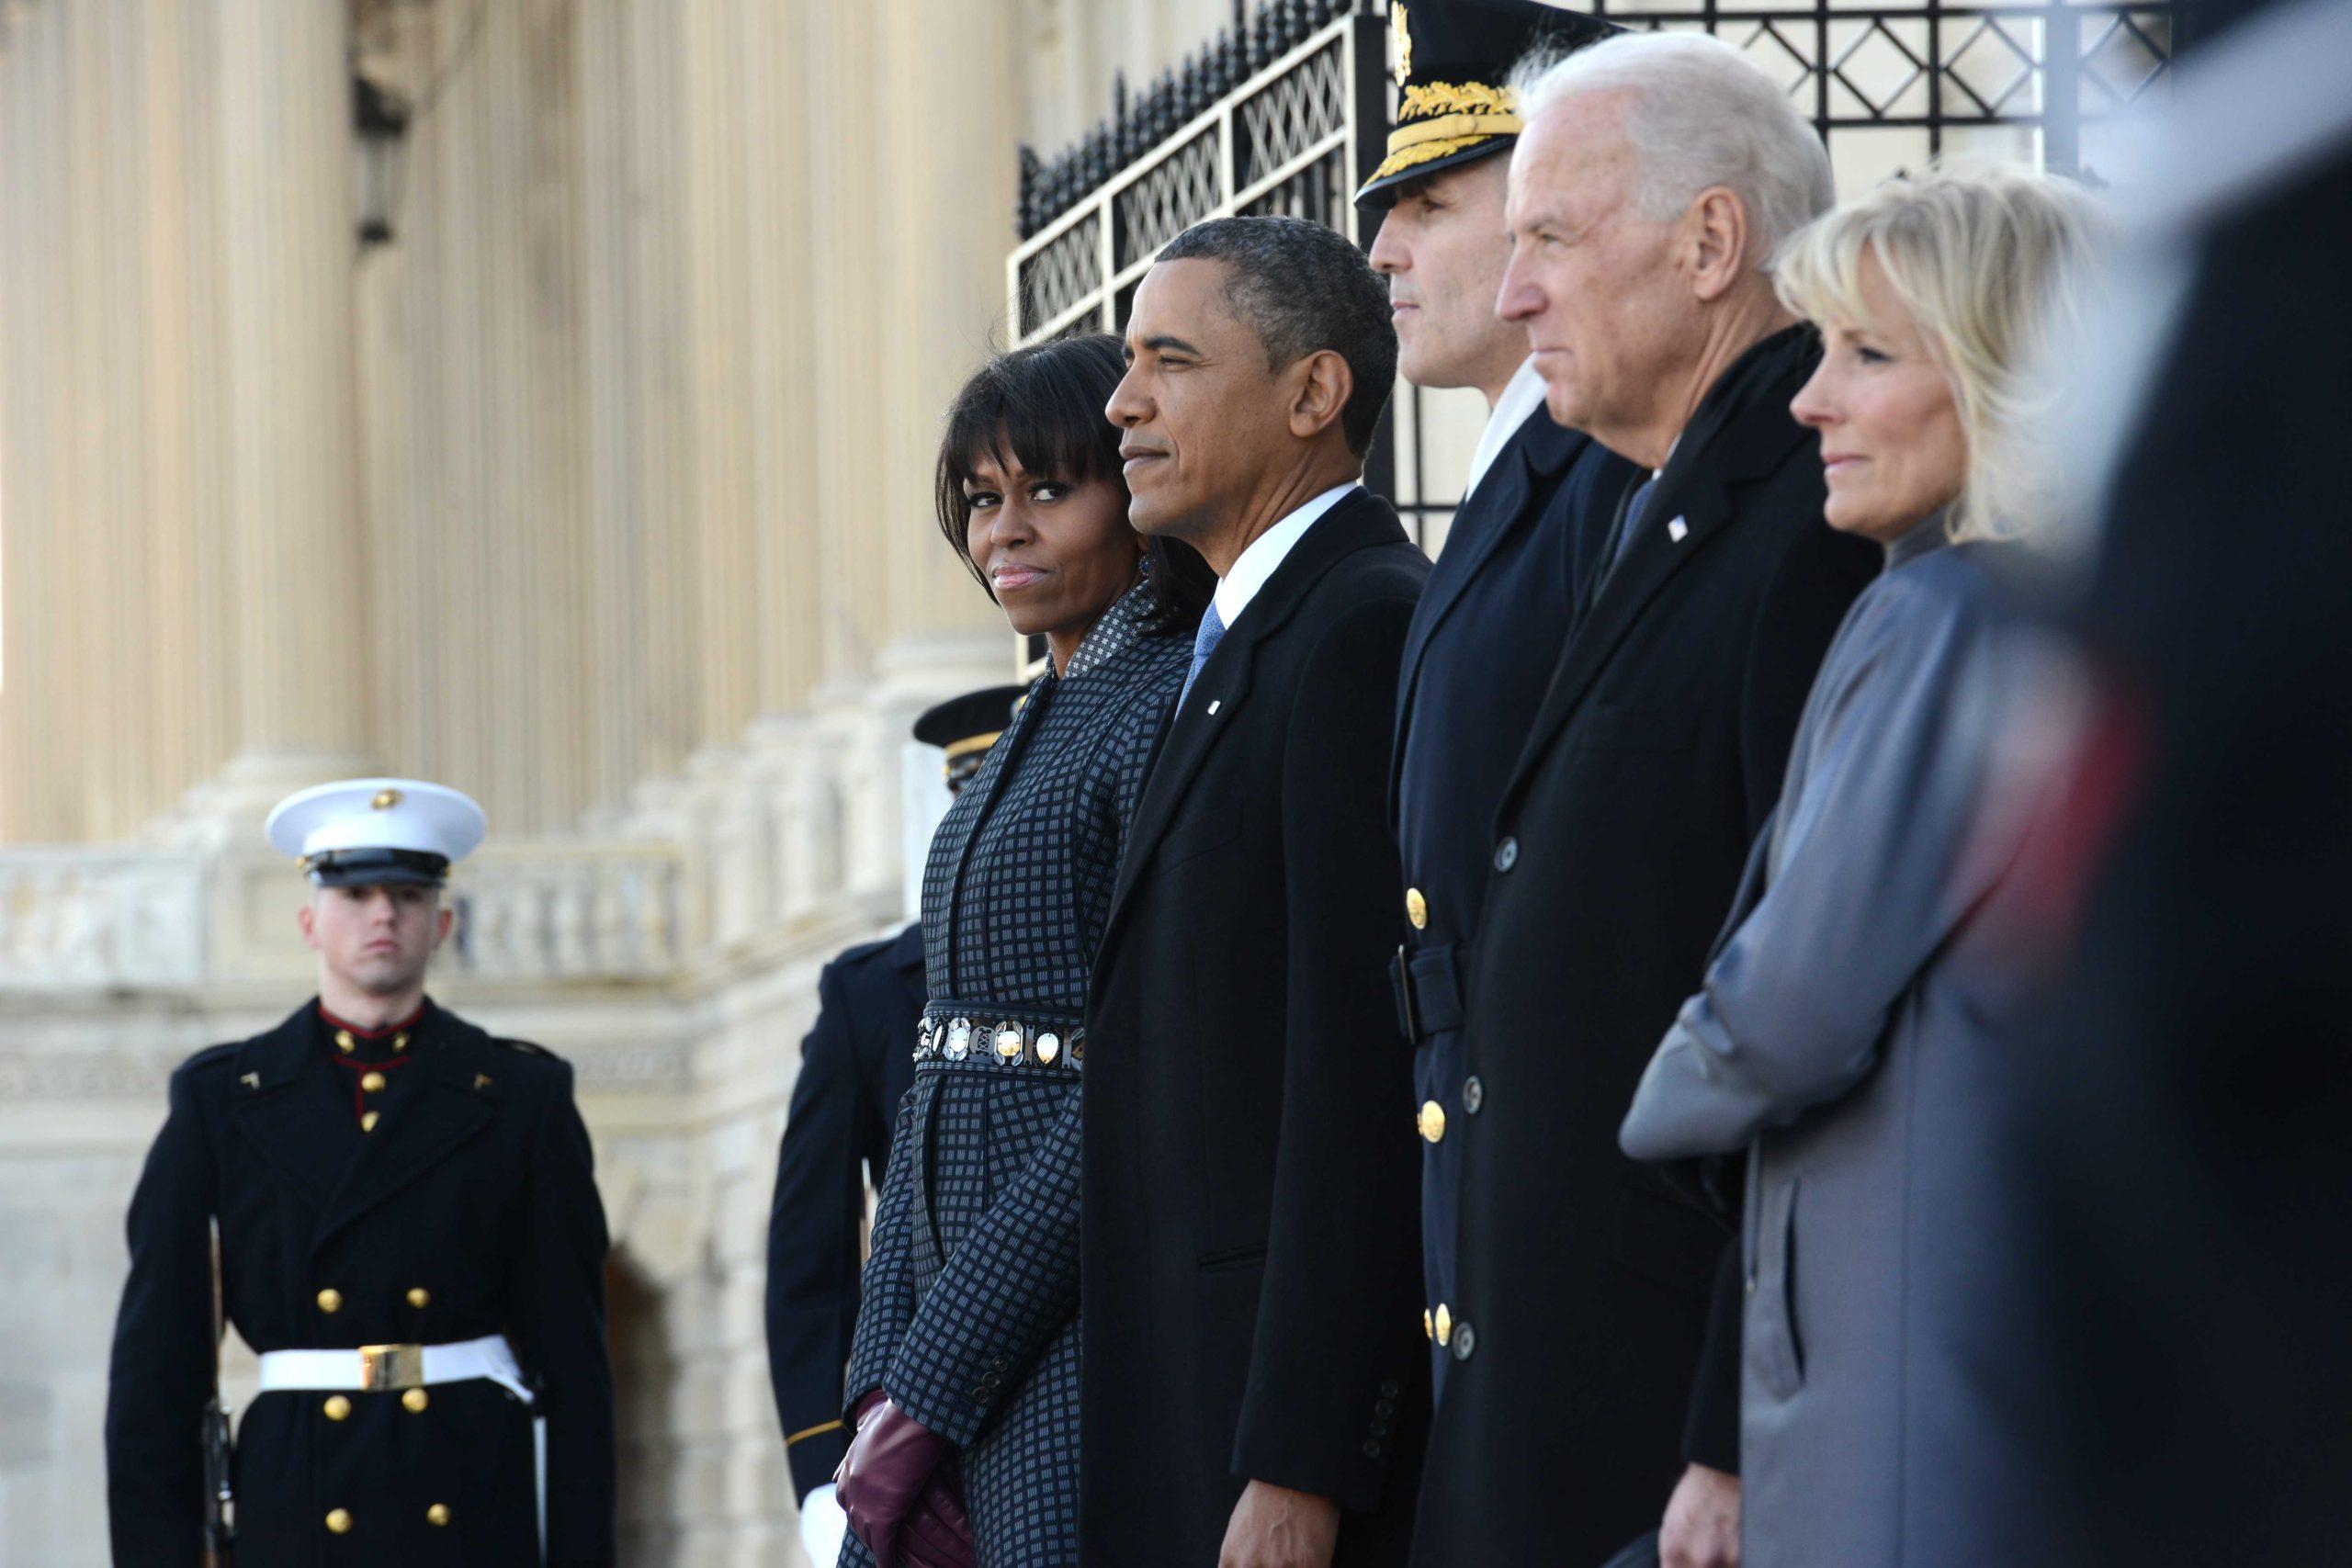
point(1287, 109)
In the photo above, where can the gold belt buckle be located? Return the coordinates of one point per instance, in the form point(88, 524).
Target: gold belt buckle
point(391, 1366)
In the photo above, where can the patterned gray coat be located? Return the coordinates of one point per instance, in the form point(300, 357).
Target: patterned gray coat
point(970, 1314)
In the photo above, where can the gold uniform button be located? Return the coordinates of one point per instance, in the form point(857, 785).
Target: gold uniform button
point(1416, 909)
point(1432, 1121)
point(419, 1297)
point(338, 1408)
point(339, 1521)
point(367, 1122)
point(1444, 1323)
point(414, 1402)
point(371, 1082)
point(437, 1515)
point(343, 1041)
point(1428, 1328)
point(330, 1299)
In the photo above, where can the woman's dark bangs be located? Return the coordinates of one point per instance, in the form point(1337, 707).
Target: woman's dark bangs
point(1050, 419)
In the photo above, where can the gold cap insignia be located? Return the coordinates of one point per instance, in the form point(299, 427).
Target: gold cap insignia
point(385, 800)
point(1400, 34)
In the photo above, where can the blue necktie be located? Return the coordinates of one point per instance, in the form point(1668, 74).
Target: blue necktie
point(1205, 643)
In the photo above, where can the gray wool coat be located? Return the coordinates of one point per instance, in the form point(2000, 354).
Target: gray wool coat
point(1840, 1039)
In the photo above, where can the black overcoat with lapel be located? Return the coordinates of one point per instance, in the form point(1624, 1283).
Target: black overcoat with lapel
point(476, 1190)
point(856, 1065)
point(1584, 1279)
point(1251, 1296)
point(1485, 639)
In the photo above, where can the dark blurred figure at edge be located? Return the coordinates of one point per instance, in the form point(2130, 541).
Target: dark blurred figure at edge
point(2180, 1186)
point(856, 1063)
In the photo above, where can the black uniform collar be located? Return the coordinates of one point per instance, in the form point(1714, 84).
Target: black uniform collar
point(386, 1042)
point(460, 1079)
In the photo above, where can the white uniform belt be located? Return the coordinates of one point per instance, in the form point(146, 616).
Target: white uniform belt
point(380, 1367)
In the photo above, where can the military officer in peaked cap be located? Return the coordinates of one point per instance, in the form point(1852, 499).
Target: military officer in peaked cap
point(1507, 587)
point(407, 1231)
point(856, 1063)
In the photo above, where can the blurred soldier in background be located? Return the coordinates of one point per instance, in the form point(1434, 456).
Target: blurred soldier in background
point(409, 1234)
point(857, 1063)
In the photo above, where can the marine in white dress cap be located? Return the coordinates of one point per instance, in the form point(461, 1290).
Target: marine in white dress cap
point(366, 832)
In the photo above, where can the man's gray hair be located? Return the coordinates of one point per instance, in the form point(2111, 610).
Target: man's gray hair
point(1701, 114)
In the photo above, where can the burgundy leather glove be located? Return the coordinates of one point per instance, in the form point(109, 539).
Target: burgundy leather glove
point(884, 1477)
point(938, 1534)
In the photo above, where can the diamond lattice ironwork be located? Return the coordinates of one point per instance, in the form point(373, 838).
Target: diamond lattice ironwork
point(1317, 193)
point(1877, 54)
point(1063, 275)
point(1293, 114)
point(1172, 196)
point(1990, 66)
point(1780, 57)
point(2125, 57)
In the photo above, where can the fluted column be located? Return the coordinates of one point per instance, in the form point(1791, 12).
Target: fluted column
point(948, 204)
point(286, 313)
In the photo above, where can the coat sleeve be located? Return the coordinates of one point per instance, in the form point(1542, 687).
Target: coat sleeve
point(1338, 1329)
point(886, 1292)
point(1008, 1289)
point(556, 1305)
point(161, 1372)
point(814, 1225)
point(1873, 876)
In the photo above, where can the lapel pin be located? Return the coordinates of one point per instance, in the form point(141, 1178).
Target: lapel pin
point(1214, 703)
point(1678, 530)
point(251, 1081)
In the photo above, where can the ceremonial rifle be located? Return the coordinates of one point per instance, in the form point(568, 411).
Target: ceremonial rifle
point(219, 1535)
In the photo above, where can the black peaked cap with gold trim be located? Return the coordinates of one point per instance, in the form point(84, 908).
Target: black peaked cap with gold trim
point(966, 727)
point(1453, 58)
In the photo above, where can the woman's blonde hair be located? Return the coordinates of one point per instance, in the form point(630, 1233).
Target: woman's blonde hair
point(1989, 260)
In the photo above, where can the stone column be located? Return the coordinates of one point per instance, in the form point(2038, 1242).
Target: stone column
point(288, 226)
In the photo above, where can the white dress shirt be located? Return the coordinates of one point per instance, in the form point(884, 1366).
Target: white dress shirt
point(1522, 395)
point(1256, 563)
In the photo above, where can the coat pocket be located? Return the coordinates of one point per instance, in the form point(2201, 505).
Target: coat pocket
point(1773, 1339)
point(1206, 828)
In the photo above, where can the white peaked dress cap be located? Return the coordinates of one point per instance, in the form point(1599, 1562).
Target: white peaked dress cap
point(372, 830)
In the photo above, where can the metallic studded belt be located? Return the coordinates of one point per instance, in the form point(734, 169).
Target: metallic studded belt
point(954, 1033)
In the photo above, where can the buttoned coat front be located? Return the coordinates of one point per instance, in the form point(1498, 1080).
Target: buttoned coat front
point(1586, 1278)
point(1484, 638)
point(971, 1318)
point(1252, 1271)
point(469, 1211)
